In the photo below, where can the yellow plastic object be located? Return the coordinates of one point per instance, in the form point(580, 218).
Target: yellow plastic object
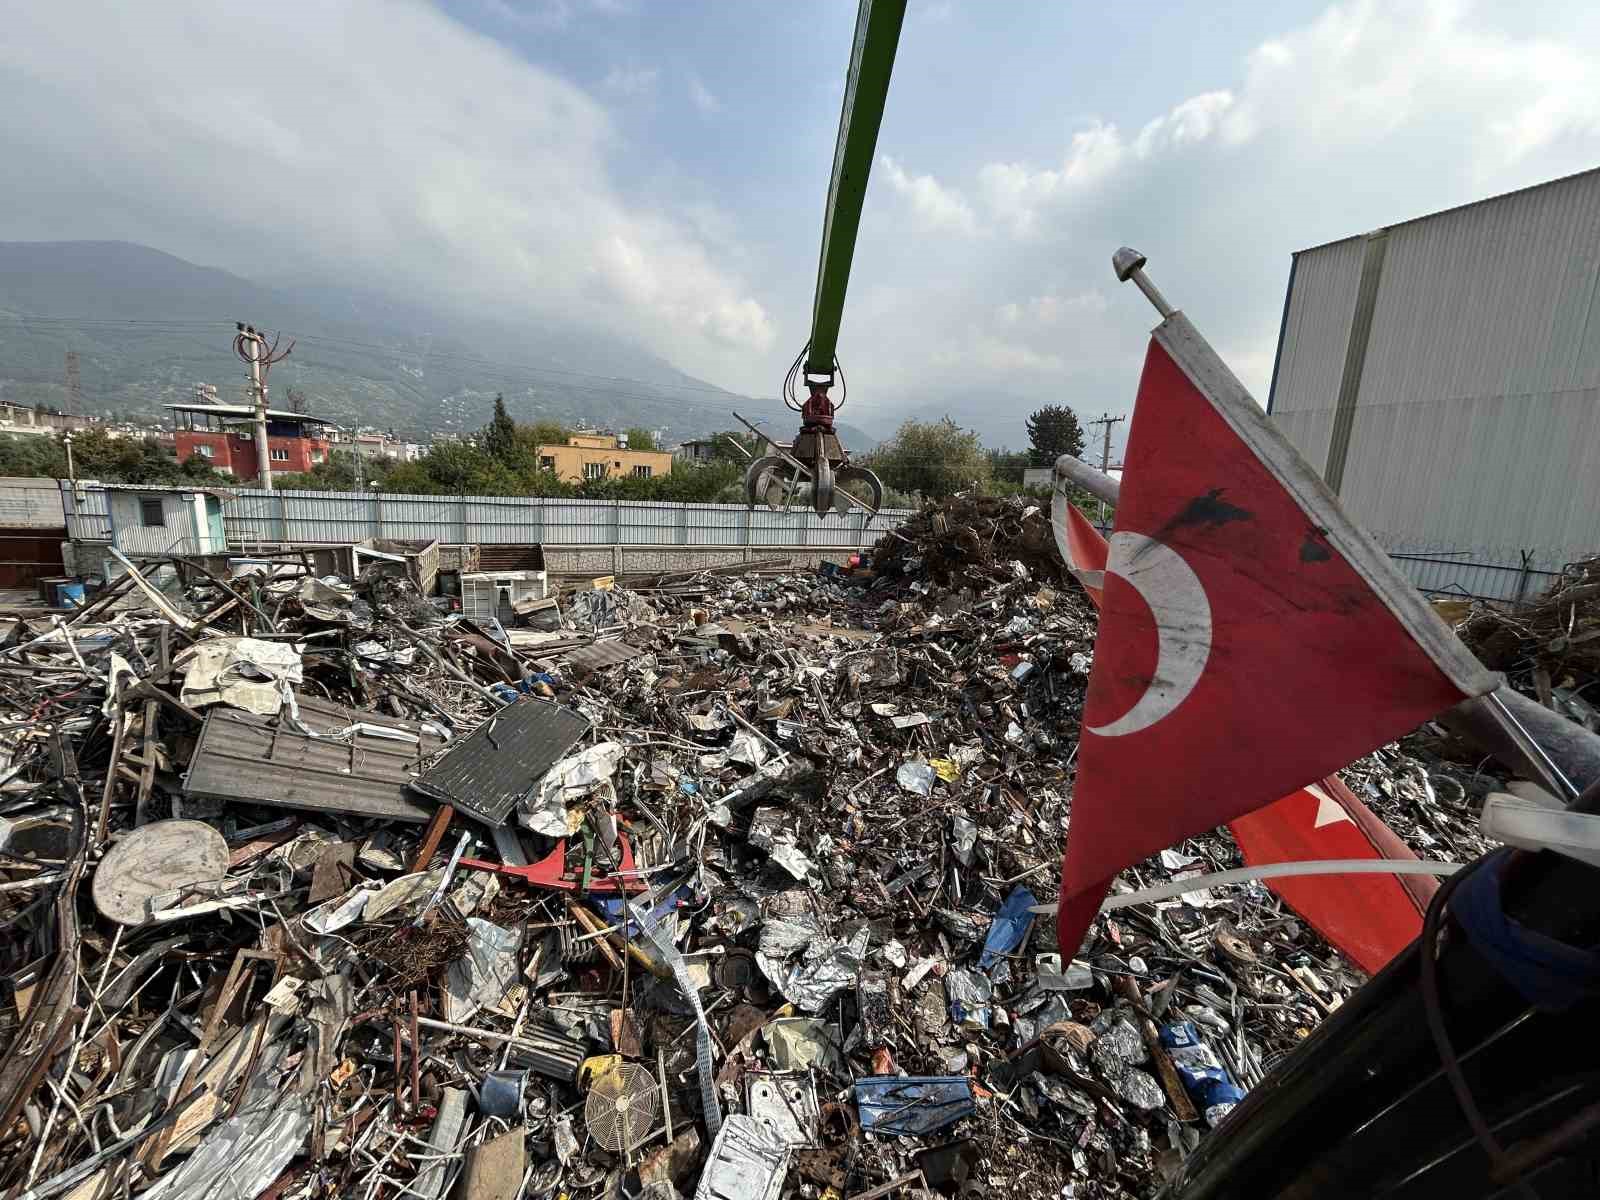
point(598, 1067)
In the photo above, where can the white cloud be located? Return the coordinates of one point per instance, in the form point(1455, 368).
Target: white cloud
point(632, 81)
point(1359, 73)
point(934, 208)
point(1016, 192)
point(389, 146)
point(546, 14)
point(701, 96)
point(1194, 120)
point(1051, 309)
point(1368, 114)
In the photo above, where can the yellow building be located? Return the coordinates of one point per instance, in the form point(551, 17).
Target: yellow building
point(602, 456)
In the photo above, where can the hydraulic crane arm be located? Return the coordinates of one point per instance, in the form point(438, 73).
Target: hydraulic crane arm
point(866, 89)
point(816, 454)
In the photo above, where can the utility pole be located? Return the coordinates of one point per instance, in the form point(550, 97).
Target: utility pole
point(1108, 421)
point(253, 349)
point(74, 389)
point(251, 341)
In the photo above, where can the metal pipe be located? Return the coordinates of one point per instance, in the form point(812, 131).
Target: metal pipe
point(1097, 483)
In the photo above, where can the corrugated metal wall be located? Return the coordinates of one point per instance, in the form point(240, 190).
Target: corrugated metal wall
point(29, 502)
point(260, 517)
point(1306, 389)
point(1476, 430)
point(134, 537)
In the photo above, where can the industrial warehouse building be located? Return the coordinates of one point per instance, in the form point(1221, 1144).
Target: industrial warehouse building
point(1444, 375)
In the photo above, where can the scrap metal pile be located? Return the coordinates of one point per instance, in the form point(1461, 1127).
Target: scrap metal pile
point(1550, 648)
point(721, 888)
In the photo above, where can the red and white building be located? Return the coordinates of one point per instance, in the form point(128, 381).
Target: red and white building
point(224, 436)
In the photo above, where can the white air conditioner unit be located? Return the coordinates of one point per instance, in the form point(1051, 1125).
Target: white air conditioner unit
point(496, 593)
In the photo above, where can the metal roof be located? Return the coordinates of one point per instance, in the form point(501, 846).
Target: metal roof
point(498, 763)
point(260, 760)
point(168, 489)
point(1466, 409)
point(1455, 208)
point(602, 654)
point(245, 412)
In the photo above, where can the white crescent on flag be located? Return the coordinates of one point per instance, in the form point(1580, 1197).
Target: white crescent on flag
point(1182, 614)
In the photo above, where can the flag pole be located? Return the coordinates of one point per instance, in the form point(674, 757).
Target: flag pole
point(1529, 746)
point(1128, 263)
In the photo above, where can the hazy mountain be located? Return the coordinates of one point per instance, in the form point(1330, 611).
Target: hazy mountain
point(147, 326)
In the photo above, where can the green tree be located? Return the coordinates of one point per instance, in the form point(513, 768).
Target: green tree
point(640, 439)
point(1007, 466)
point(723, 448)
point(544, 433)
point(336, 474)
point(410, 478)
point(1053, 431)
point(23, 455)
point(499, 437)
point(932, 458)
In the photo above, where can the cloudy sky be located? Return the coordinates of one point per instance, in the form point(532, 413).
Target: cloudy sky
point(660, 168)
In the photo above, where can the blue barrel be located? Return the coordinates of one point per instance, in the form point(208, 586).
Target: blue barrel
point(69, 594)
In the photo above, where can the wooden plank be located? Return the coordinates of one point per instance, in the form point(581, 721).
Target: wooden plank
point(431, 839)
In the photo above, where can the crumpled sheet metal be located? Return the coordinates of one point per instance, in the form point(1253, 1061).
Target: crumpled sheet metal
point(746, 1162)
point(248, 673)
point(241, 1157)
point(548, 809)
point(828, 966)
point(482, 976)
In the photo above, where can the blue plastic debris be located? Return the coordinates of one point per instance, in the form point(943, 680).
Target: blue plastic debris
point(1205, 1079)
point(910, 1106)
point(611, 907)
point(1009, 927)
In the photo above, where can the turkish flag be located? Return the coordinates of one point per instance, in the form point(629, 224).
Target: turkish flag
point(1370, 918)
point(1252, 639)
point(1082, 548)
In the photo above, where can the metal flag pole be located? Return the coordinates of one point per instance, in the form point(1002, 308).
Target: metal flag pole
point(1128, 263)
point(1525, 741)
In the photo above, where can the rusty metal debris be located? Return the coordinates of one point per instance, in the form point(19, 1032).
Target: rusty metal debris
point(720, 886)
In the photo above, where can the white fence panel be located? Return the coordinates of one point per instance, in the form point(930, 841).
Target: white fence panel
point(255, 517)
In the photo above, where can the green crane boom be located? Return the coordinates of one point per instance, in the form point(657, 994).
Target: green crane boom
point(816, 458)
point(878, 25)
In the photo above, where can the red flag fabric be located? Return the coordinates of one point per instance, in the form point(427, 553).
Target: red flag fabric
point(1252, 639)
point(1370, 918)
point(1082, 547)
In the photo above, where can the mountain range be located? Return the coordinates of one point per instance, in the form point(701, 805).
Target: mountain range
point(147, 326)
